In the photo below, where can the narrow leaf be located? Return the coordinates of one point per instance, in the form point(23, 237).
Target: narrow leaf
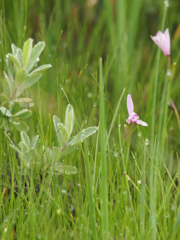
point(114, 116)
point(176, 224)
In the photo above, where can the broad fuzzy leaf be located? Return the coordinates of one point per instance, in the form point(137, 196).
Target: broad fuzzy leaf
point(56, 153)
point(65, 169)
point(68, 149)
point(36, 51)
point(19, 56)
point(25, 113)
point(85, 133)
point(63, 133)
point(10, 69)
point(14, 60)
point(21, 126)
point(41, 69)
point(69, 119)
point(7, 88)
point(27, 49)
point(28, 83)
point(24, 148)
point(56, 121)
point(14, 48)
point(21, 154)
point(17, 52)
point(25, 139)
point(34, 141)
point(21, 76)
point(10, 87)
point(23, 100)
point(6, 112)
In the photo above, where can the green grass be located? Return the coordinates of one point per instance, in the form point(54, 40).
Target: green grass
point(127, 184)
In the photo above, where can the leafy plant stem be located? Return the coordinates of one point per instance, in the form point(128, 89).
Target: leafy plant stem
point(13, 94)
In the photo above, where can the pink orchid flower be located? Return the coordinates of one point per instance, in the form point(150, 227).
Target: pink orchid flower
point(133, 117)
point(163, 41)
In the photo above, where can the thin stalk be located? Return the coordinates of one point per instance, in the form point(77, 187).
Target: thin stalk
point(129, 142)
point(166, 101)
point(95, 161)
point(111, 127)
point(114, 116)
point(90, 193)
point(104, 192)
point(161, 128)
point(158, 148)
point(143, 198)
point(122, 54)
point(152, 203)
point(12, 184)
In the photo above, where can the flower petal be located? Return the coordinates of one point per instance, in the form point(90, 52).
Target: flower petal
point(167, 41)
point(130, 105)
point(162, 40)
point(140, 122)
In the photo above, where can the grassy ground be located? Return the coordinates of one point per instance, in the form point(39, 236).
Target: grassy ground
point(78, 33)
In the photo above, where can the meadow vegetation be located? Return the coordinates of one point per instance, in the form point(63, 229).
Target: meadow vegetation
point(71, 166)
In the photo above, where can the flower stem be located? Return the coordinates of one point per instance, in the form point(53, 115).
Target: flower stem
point(152, 149)
point(129, 142)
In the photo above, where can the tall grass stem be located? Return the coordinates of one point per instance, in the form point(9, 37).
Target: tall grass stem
point(90, 193)
point(104, 193)
point(152, 183)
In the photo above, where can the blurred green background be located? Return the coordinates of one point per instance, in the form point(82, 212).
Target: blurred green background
point(76, 34)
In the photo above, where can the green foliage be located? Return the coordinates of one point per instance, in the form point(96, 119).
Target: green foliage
point(28, 151)
point(17, 79)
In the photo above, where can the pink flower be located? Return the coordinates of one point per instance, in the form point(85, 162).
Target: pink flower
point(133, 117)
point(163, 41)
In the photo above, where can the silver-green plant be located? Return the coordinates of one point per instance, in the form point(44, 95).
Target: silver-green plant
point(67, 144)
point(20, 75)
point(51, 160)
